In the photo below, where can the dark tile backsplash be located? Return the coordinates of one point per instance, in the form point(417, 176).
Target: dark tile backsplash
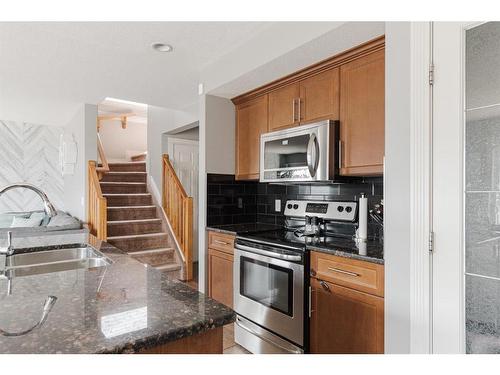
point(234, 202)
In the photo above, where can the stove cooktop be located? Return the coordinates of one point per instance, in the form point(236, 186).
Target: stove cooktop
point(294, 238)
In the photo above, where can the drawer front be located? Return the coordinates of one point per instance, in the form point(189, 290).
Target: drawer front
point(351, 273)
point(221, 241)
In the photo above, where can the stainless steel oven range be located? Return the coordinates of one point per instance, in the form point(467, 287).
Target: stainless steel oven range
point(269, 296)
point(271, 278)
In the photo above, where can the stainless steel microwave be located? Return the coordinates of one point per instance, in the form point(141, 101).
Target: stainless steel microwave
point(303, 153)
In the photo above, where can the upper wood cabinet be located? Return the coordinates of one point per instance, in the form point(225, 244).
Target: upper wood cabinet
point(362, 118)
point(283, 107)
point(319, 97)
point(251, 122)
point(313, 98)
point(348, 87)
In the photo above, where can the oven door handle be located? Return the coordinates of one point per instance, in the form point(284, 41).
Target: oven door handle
point(263, 338)
point(293, 258)
point(312, 165)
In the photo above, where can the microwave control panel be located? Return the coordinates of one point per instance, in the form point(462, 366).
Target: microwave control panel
point(334, 210)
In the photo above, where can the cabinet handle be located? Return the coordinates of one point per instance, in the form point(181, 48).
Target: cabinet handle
point(324, 285)
point(343, 272)
point(221, 242)
point(300, 109)
point(293, 110)
point(340, 154)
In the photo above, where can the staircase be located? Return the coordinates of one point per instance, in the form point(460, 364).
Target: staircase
point(133, 221)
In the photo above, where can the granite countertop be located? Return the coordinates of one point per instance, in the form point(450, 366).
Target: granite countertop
point(371, 251)
point(239, 229)
point(121, 308)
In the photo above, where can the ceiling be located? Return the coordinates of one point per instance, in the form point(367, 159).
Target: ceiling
point(48, 69)
point(137, 112)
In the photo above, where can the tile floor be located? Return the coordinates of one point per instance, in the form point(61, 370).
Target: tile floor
point(228, 344)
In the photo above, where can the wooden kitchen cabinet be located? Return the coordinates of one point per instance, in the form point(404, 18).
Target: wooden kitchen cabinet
point(313, 98)
point(345, 321)
point(220, 267)
point(349, 87)
point(283, 107)
point(347, 305)
point(319, 97)
point(251, 122)
point(362, 118)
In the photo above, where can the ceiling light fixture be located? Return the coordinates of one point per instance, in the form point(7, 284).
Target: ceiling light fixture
point(162, 47)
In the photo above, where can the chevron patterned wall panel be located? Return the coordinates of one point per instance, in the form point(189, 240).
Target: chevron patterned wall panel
point(30, 153)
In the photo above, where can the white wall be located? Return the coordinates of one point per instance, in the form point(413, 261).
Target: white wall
point(81, 129)
point(30, 153)
point(120, 143)
point(397, 188)
point(217, 141)
point(219, 135)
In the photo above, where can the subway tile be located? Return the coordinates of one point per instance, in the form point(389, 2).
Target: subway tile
point(266, 219)
point(325, 190)
point(213, 189)
point(251, 189)
point(262, 189)
point(276, 189)
point(220, 178)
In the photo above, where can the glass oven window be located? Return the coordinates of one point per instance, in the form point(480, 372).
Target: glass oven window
point(267, 284)
point(288, 152)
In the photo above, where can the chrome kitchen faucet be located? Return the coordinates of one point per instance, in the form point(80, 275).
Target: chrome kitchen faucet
point(47, 205)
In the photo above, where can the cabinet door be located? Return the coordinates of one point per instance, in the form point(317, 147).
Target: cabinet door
point(251, 122)
point(345, 321)
point(319, 97)
point(283, 107)
point(220, 276)
point(362, 98)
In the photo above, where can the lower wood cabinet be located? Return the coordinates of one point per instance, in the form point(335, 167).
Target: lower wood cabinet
point(220, 283)
point(220, 268)
point(345, 319)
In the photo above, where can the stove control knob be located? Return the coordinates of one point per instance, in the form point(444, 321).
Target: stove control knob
point(340, 208)
point(348, 209)
point(289, 206)
point(295, 206)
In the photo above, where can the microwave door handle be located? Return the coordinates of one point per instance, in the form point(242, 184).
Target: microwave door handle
point(312, 165)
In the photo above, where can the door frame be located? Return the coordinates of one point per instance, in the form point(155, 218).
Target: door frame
point(448, 272)
point(171, 140)
point(420, 187)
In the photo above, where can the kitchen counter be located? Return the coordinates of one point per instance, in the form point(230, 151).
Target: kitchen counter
point(374, 252)
point(125, 307)
point(343, 247)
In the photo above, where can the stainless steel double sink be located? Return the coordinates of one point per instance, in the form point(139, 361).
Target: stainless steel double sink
point(54, 260)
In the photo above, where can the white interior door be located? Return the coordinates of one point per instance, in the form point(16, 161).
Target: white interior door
point(466, 188)
point(184, 156)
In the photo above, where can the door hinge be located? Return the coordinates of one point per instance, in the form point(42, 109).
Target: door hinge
point(431, 242)
point(431, 74)
point(310, 301)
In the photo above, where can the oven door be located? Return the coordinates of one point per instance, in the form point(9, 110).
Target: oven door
point(270, 292)
point(297, 154)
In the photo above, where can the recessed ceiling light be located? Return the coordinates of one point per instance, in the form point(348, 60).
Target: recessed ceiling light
point(162, 47)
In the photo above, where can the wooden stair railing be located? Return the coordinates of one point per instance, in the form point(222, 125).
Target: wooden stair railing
point(104, 168)
point(178, 207)
point(96, 204)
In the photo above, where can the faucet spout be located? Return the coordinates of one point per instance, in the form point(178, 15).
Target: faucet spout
point(47, 205)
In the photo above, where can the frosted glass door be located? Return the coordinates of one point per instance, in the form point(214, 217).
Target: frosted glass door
point(482, 188)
